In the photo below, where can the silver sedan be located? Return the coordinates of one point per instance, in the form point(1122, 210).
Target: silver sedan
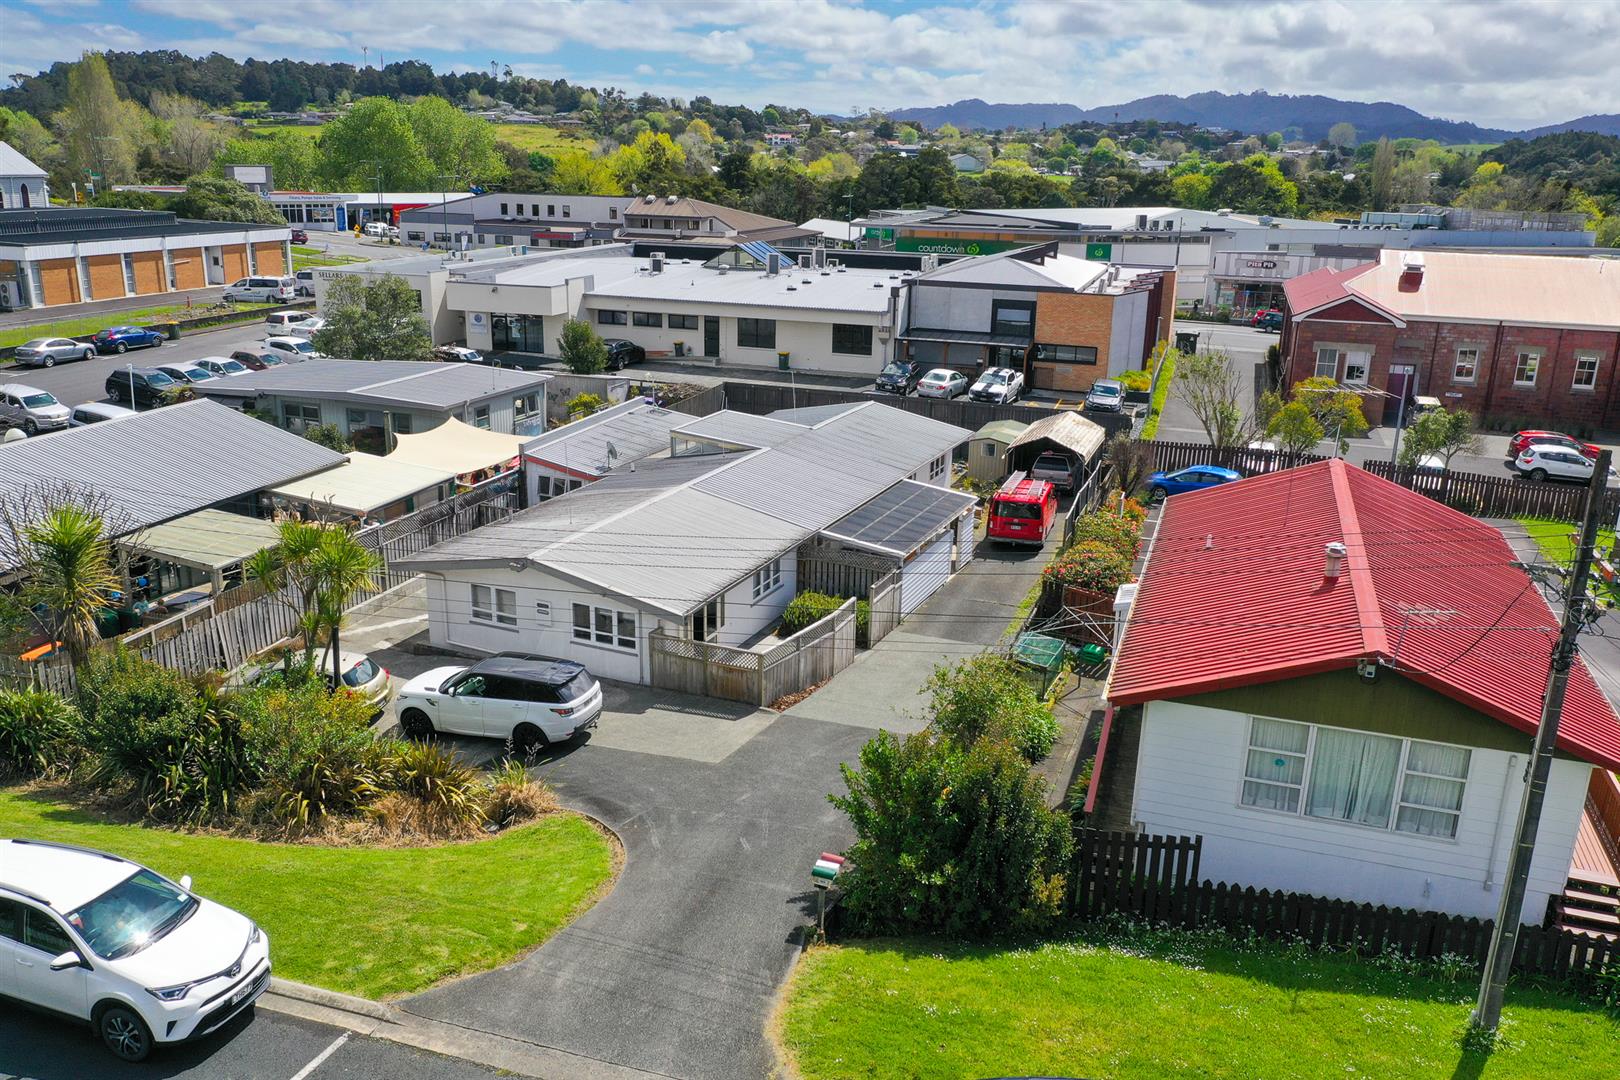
point(46, 351)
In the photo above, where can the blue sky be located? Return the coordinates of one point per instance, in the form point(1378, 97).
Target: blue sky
point(1501, 64)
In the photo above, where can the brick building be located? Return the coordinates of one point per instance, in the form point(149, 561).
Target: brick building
point(1533, 338)
point(59, 255)
point(1064, 322)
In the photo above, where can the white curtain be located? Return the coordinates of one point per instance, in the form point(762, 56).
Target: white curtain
point(1353, 777)
point(1276, 754)
point(1440, 787)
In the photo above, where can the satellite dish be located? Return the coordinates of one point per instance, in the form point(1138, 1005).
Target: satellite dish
point(612, 451)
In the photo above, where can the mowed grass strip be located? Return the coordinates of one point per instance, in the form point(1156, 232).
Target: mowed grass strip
point(378, 922)
point(912, 1008)
point(16, 335)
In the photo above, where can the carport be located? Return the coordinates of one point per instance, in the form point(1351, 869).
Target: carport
point(927, 531)
point(1065, 432)
point(207, 546)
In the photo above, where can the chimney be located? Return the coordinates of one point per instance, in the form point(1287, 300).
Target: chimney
point(1412, 268)
point(1335, 560)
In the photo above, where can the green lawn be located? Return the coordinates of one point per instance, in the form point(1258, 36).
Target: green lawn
point(378, 922)
point(305, 258)
point(547, 140)
point(927, 1008)
point(16, 335)
point(1556, 538)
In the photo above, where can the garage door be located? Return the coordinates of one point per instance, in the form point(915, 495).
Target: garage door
point(927, 571)
point(966, 529)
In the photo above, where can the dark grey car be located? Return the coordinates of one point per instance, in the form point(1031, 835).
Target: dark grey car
point(48, 351)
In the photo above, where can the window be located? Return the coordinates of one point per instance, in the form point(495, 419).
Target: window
point(503, 239)
point(551, 209)
point(36, 280)
point(503, 209)
point(297, 416)
point(357, 418)
point(646, 318)
point(936, 468)
point(534, 209)
point(605, 626)
point(1067, 354)
point(129, 275)
point(854, 340)
point(439, 238)
point(481, 416)
point(756, 333)
point(613, 213)
point(44, 933)
point(402, 423)
point(1586, 368)
point(1379, 781)
point(493, 605)
point(415, 234)
point(1327, 363)
point(1466, 368)
point(611, 318)
point(568, 211)
point(1524, 368)
point(683, 322)
point(767, 578)
point(708, 619)
point(1014, 317)
point(1355, 368)
point(525, 406)
point(667, 223)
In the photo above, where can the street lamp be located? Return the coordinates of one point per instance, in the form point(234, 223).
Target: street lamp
point(444, 207)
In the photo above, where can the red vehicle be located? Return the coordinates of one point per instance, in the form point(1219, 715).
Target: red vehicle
point(1517, 444)
point(299, 236)
point(1022, 512)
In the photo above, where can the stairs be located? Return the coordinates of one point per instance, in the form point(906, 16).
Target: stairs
point(1587, 906)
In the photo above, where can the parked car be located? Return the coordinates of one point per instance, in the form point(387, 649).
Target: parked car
point(1192, 478)
point(1271, 319)
point(221, 366)
point(1541, 461)
point(621, 353)
point(96, 412)
point(1022, 512)
point(942, 383)
point(104, 941)
point(186, 373)
point(257, 361)
point(304, 283)
point(299, 236)
point(121, 339)
point(140, 386)
point(1000, 385)
point(380, 228)
point(459, 354)
point(47, 351)
point(1057, 468)
point(1524, 439)
point(900, 377)
point(361, 674)
point(281, 322)
point(1106, 395)
point(531, 700)
point(262, 289)
point(307, 329)
point(32, 409)
point(291, 349)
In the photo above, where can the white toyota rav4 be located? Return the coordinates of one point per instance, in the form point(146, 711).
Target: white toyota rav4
point(103, 940)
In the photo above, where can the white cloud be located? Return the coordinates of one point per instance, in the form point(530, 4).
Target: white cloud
point(645, 70)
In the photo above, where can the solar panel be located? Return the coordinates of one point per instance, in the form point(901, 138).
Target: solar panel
point(762, 251)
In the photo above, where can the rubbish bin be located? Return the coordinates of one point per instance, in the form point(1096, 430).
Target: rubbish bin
point(782, 361)
point(1186, 342)
point(172, 331)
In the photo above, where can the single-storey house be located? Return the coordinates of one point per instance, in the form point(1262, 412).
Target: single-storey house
point(589, 448)
point(1336, 682)
point(987, 451)
point(704, 544)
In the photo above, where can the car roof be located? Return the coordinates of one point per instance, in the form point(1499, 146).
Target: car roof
point(1106, 382)
point(62, 876)
point(1217, 469)
point(949, 373)
point(529, 667)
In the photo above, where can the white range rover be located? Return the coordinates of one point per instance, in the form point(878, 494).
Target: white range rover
point(106, 941)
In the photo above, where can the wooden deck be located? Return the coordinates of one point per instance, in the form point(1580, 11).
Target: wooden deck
point(1594, 860)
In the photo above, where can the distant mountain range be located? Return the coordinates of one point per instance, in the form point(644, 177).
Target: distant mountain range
point(1305, 116)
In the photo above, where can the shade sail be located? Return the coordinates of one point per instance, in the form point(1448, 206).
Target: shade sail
point(458, 448)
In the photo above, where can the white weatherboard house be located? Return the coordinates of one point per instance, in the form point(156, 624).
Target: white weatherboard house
point(704, 544)
point(1345, 721)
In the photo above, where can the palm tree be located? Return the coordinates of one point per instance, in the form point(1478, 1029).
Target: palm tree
point(286, 572)
point(70, 575)
point(340, 567)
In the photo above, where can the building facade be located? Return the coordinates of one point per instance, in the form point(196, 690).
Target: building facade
point(23, 184)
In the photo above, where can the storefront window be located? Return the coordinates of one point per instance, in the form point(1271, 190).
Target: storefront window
point(518, 333)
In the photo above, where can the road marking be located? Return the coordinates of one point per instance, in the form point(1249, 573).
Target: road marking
point(303, 1074)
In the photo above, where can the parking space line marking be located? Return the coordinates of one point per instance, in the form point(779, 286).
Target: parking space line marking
point(303, 1074)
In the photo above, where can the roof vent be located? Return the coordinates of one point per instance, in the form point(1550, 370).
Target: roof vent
point(651, 199)
point(792, 287)
point(877, 284)
point(1412, 265)
point(1335, 559)
point(671, 200)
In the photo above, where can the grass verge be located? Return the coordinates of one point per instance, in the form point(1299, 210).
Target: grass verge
point(16, 335)
point(1140, 1010)
point(1556, 539)
point(1161, 393)
point(306, 258)
point(378, 922)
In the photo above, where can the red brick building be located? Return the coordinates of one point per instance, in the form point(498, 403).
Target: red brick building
point(1520, 336)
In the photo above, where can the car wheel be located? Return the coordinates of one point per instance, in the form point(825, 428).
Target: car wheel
point(156, 342)
point(120, 348)
point(48, 361)
point(528, 739)
point(1158, 494)
point(30, 428)
point(88, 354)
point(1538, 475)
point(124, 1033)
point(416, 724)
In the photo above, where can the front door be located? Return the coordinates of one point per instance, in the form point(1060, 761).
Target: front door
point(711, 335)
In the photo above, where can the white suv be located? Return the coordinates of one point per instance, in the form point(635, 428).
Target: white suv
point(104, 940)
point(1541, 461)
point(531, 700)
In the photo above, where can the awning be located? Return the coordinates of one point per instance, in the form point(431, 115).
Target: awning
point(902, 519)
point(208, 540)
point(366, 483)
point(458, 448)
point(966, 337)
point(1069, 430)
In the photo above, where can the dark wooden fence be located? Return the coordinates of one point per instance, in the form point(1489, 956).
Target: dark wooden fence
point(1155, 878)
point(702, 403)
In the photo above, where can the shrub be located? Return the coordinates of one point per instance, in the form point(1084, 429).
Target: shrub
point(1131, 508)
point(444, 795)
point(1090, 565)
point(513, 796)
point(987, 697)
point(806, 609)
point(1137, 380)
point(950, 839)
point(38, 730)
point(1121, 534)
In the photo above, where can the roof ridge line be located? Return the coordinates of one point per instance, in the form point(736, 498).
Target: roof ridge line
point(1369, 614)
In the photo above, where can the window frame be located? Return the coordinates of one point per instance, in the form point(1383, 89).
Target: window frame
point(750, 332)
point(1066, 354)
point(1473, 365)
point(1583, 356)
point(647, 318)
point(604, 628)
point(683, 322)
point(612, 317)
point(1338, 358)
point(1018, 328)
point(1520, 355)
point(498, 608)
point(768, 578)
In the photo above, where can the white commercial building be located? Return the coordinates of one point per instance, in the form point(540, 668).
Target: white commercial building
point(22, 183)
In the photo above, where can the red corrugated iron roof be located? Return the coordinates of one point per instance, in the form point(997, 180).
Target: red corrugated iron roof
point(1322, 288)
point(1234, 594)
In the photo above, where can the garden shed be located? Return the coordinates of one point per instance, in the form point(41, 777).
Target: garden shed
point(987, 450)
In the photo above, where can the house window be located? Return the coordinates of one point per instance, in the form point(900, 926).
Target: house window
point(534, 209)
point(1586, 368)
point(568, 211)
point(683, 322)
point(1467, 365)
point(1012, 317)
point(1355, 368)
point(612, 318)
point(1067, 354)
point(525, 406)
point(1327, 363)
point(440, 238)
point(415, 234)
point(402, 423)
point(936, 468)
point(854, 340)
point(168, 267)
point(1524, 368)
point(613, 213)
point(1357, 777)
point(605, 626)
point(551, 209)
point(357, 418)
point(503, 209)
point(129, 275)
point(646, 318)
point(491, 605)
point(767, 578)
point(499, 239)
point(481, 416)
point(84, 281)
point(756, 333)
point(296, 417)
point(708, 619)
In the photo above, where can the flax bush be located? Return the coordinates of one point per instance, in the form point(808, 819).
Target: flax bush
point(38, 732)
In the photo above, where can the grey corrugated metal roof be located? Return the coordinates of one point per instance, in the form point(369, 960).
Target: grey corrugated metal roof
point(165, 462)
point(1067, 429)
point(812, 414)
point(742, 429)
point(635, 430)
point(902, 519)
point(428, 384)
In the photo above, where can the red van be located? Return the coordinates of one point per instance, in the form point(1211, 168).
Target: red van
point(1022, 512)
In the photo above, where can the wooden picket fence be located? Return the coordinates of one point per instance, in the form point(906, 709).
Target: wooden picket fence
point(1155, 878)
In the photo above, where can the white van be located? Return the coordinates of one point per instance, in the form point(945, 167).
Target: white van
point(280, 322)
point(381, 228)
point(271, 289)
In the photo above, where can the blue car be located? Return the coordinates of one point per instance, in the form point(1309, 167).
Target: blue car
point(1192, 478)
point(118, 339)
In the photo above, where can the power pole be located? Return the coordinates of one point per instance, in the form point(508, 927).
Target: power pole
point(1505, 939)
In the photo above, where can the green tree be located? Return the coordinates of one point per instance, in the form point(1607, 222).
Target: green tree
point(68, 576)
point(213, 198)
point(101, 133)
point(1383, 174)
point(1441, 432)
point(330, 436)
point(1274, 141)
point(1338, 410)
point(190, 140)
point(1294, 429)
point(987, 696)
point(376, 320)
point(1192, 190)
point(1342, 135)
point(372, 144)
point(341, 567)
point(460, 146)
point(285, 571)
point(736, 171)
point(652, 164)
point(577, 173)
point(30, 138)
point(1214, 391)
point(581, 349)
point(294, 162)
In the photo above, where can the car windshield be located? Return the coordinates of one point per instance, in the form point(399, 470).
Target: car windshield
point(157, 378)
point(897, 370)
point(996, 377)
point(197, 374)
point(35, 401)
point(1105, 391)
point(1052, 461)
point(232, 366)
point(270, 358)
point(132, 915)
point(361, 673)
point(304, 347)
